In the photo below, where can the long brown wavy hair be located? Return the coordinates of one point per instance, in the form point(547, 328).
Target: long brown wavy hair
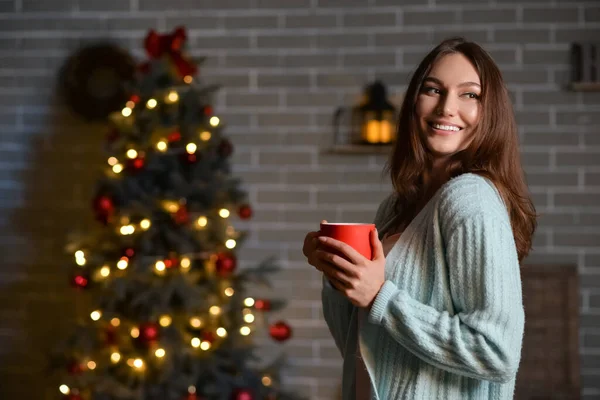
point(492, 153)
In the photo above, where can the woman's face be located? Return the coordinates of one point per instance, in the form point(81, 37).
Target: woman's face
point(448, 105)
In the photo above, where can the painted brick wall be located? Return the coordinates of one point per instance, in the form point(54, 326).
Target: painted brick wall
point(285, 66)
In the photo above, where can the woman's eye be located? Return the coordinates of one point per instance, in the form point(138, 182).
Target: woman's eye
point(429, 89)
point(472, 95)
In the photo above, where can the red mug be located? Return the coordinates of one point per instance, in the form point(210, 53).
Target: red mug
point(354, 234)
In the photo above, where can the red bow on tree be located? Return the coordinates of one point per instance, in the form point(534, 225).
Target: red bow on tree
point(170, 44)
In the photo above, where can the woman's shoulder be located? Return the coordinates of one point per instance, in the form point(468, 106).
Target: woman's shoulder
point(468, 195)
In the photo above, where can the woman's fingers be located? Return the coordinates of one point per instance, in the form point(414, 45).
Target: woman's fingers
point(351, 254)
point(340, 262)
point(334, 274)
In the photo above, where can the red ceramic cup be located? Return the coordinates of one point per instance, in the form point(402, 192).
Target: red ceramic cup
point(355, 235)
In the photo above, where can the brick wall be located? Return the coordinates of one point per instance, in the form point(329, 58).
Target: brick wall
point(285, 67)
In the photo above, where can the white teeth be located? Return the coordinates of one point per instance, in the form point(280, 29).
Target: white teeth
point(446, 127)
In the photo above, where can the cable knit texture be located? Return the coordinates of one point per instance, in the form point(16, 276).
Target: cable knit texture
point(448, 322)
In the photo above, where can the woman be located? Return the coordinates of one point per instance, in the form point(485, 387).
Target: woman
point(437, 313)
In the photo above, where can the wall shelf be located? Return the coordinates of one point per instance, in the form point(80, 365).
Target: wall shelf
point(585, 86)
point(359, 149)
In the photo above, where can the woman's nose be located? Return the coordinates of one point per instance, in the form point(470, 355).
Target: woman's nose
point(447, 106)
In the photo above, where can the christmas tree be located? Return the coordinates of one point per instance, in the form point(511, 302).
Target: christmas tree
point(170, 318)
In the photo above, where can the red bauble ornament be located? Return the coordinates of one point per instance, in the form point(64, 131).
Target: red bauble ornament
point(129, 252)
point(226, 263)
point(80, 281)
point(225, 148)
point(280, 331)
point(264, 305)
point(191, 158)
point(137, 163)
point(181, 216)
point(171, 262)
point(149, 332)
point(174, 137)
point(242, 394)
point(74, 396)
point(208, 110)
point(104, 208)
point(245, 212)
point(135, 98)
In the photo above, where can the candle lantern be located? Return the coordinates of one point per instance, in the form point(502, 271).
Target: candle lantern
point(373, 121)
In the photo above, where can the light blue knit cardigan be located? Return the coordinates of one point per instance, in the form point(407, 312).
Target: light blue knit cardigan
point(448, 322)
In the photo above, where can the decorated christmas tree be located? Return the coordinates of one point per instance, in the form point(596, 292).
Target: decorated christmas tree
point(171, 318)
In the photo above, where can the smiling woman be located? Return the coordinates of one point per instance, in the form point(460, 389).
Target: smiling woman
point(437, 312)
point(448, 105)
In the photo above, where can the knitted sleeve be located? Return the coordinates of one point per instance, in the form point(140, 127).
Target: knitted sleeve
point(337, 309)
point(482, 339)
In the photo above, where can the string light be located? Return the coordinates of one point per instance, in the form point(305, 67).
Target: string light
point(165, 321)
point(151, 103)
point(95, 315)
point(127, 230)
point(105, 271)
point(115, 357)
point(214, 121)
point(185, 263)
point(224, 213)
point(123, 263)
point(245, 331)
point(171, 206)
point(138, 363)
point(196, 322)
point(117, 168)
point(80, 261)
point(130, 104)
point(126, 112)
point(160, 266)
point(205, 345)
point(188, 79)
point(91, 365)
point(221, 332)
point(229, 292)
point(266, 380)
point(64, 389)
point(215, 310)
point(161, 146)
point(230, 244)
point(145, 224)
point(195, 342)
point(112, 161)
point(202, 222)
point(249, 318)
point(131, 153)
point(160, 353)
point(249, 302)
point(191, 148)
point(205, 136)
point(135, 332)
point(172, 96)
point(115, 322)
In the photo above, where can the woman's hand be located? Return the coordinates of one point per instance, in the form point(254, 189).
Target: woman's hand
point(311, 244)
point(357, 277)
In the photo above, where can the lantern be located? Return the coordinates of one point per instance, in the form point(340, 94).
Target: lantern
point(374, 121)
